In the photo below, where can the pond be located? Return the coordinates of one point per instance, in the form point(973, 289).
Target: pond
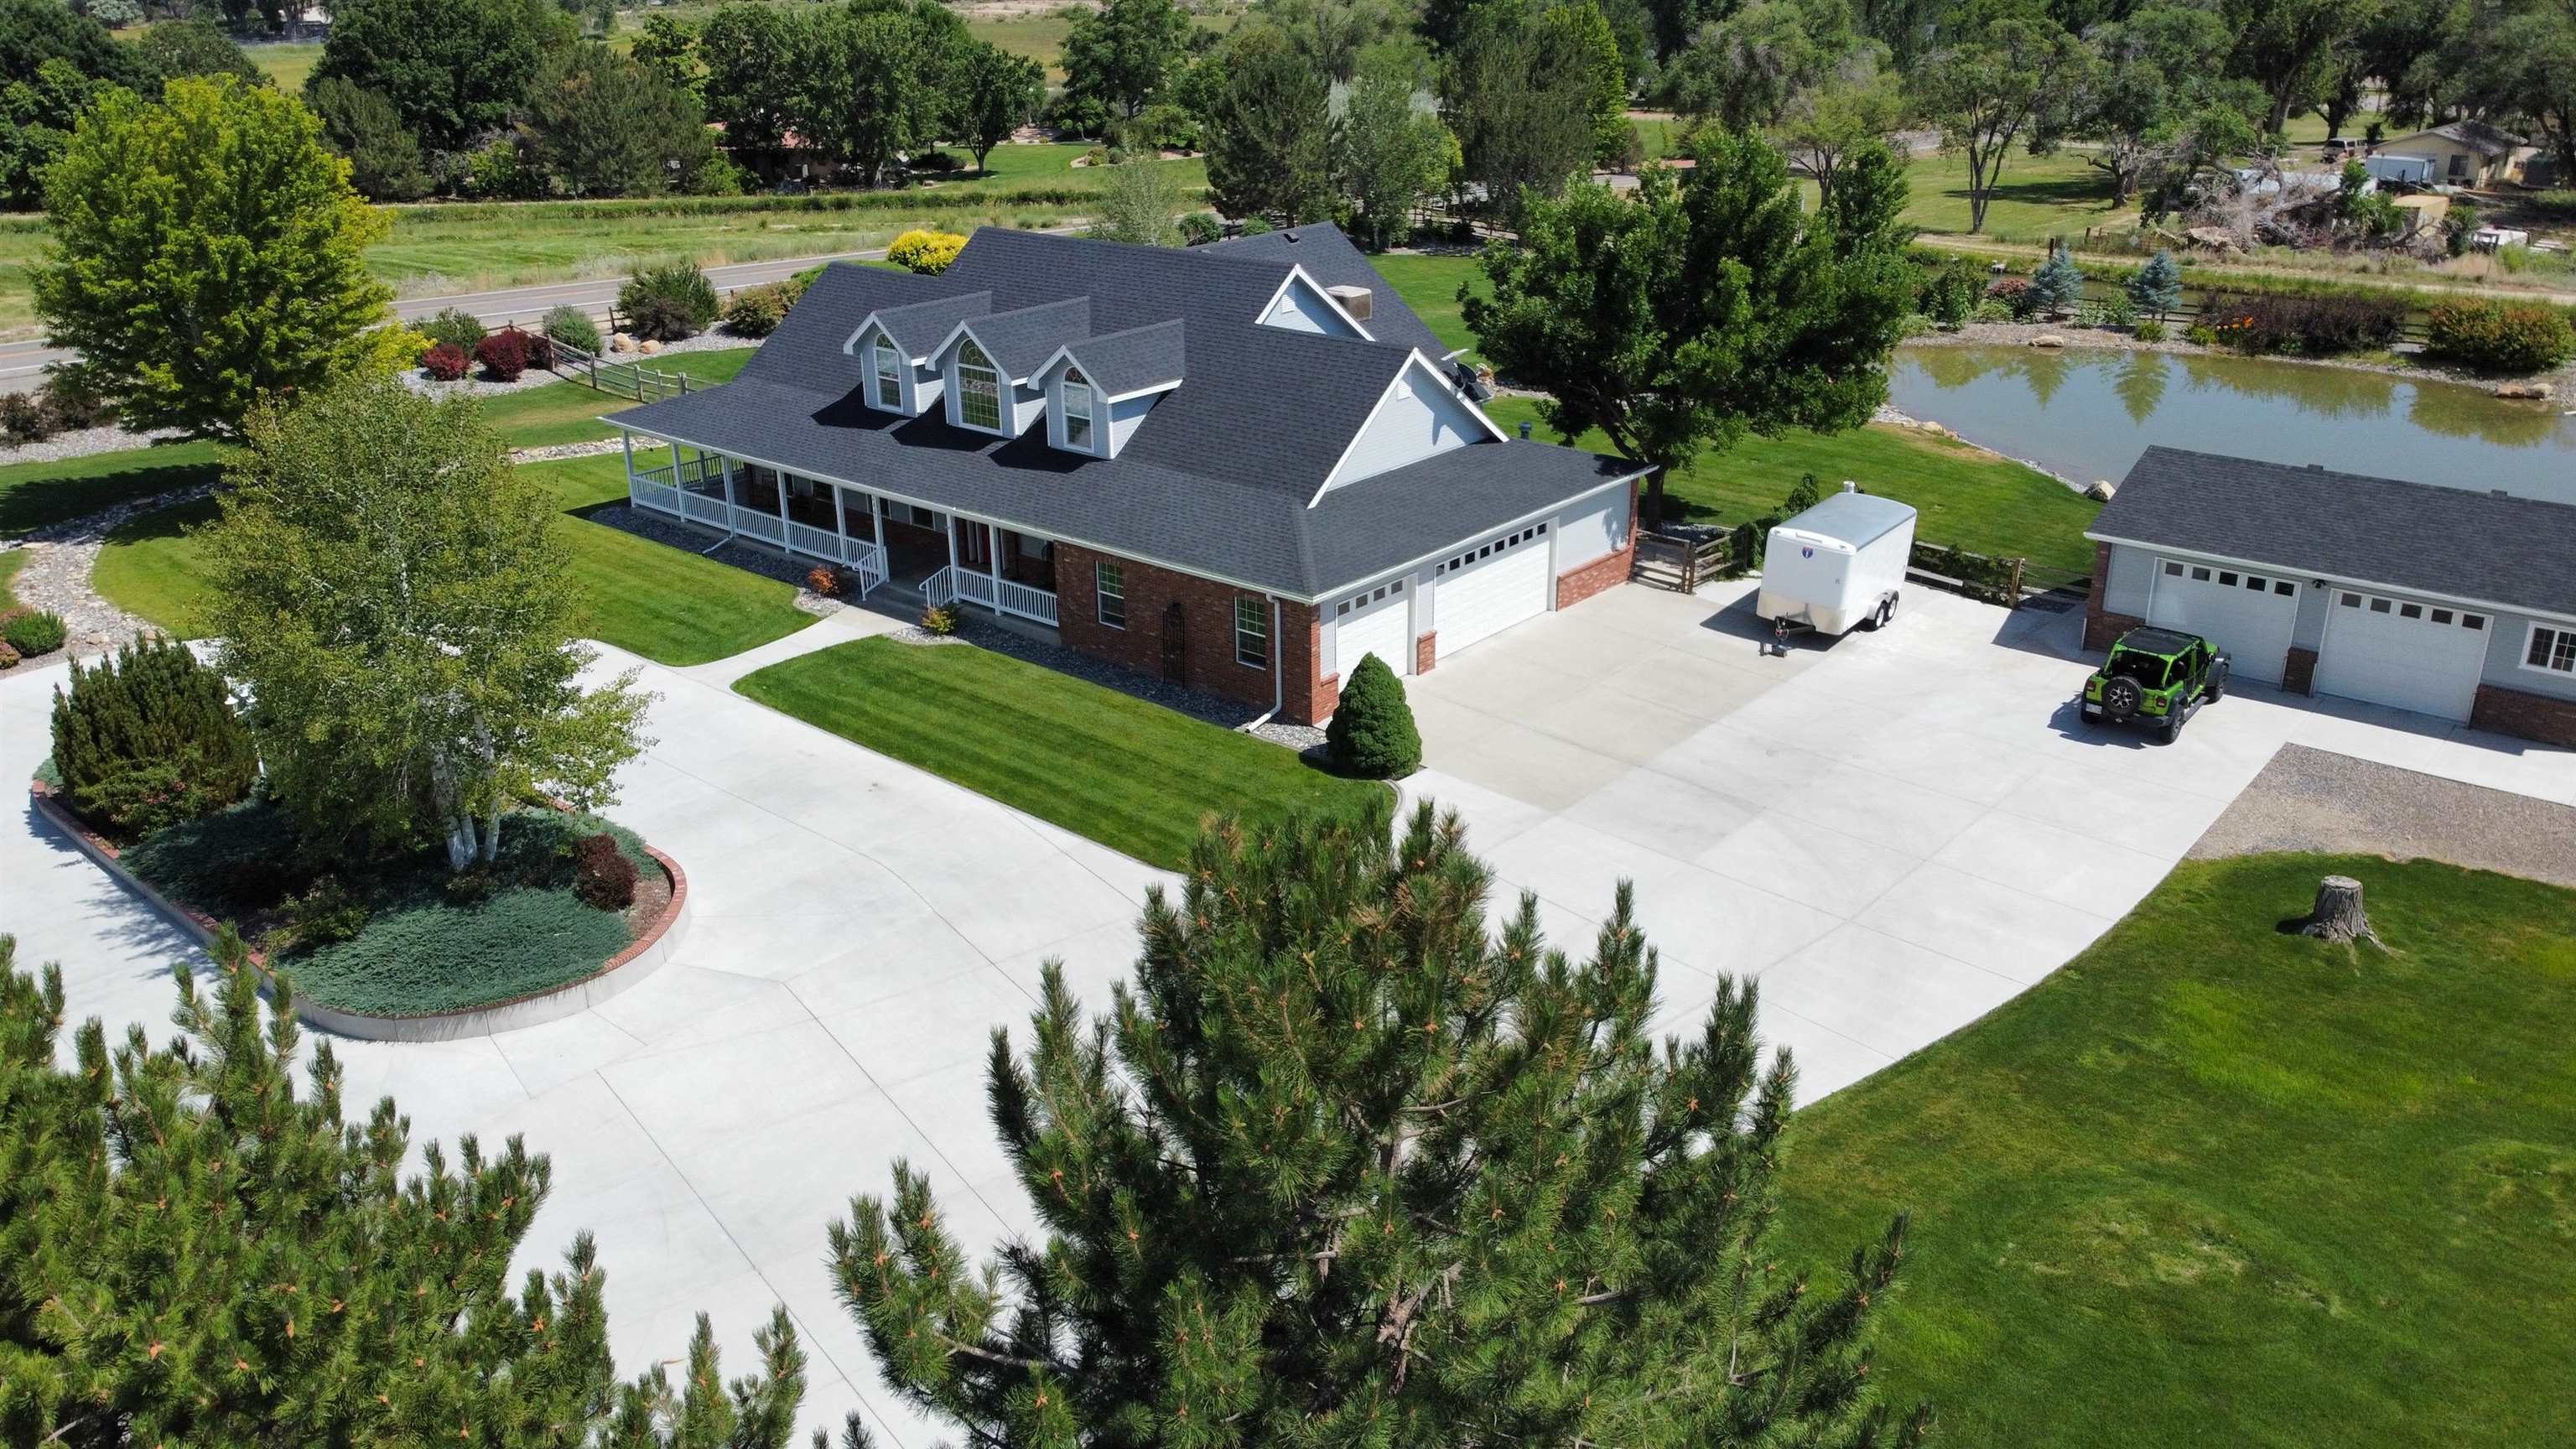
point(2087, 413)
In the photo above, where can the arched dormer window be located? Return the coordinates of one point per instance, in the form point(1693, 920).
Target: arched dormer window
point(889, 370)
point(979, 389)
point(1077, 410)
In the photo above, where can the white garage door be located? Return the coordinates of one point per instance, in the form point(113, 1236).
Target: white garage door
point(2403, 652)
point(1490, 587)
point(2249, 615)
point(1372, 623)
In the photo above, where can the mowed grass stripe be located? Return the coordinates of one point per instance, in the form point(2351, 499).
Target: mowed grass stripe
point(1131, 775)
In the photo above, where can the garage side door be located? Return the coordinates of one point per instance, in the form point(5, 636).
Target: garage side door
point(1372, 623)
point(1489, 588)
point(2250, 615)
point(2403, 652)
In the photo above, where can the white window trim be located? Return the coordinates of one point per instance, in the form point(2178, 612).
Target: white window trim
point(2490, 608)
point(1063, 420)
point(1099, 594)
point(2531, 631)
point(880, 353)
point(1260, 623)
point(957, 366)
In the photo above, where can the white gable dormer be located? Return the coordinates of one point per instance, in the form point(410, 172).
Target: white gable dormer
point(889, 381)
point(1421, 413)
point(1302, 304)
point(1098, 390)
point(982, 395)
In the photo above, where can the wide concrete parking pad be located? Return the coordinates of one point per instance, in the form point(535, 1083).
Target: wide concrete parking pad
point(858, 930)
point(1893, 832)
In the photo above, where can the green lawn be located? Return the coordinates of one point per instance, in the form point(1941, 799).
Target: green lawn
point(1968, 498)
point(286, 64)
point(10, 562)
point(2038, 197)
point(35, 494)
point(2216, 1184)
point(1429, 285)
point(1134, 776)
point(665, 603)
point(568, 412)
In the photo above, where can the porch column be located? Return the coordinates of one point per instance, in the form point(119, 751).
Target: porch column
point(951, 531)
point(784, 536)
point(676, 480)
point(840, 526)
point(993, 562)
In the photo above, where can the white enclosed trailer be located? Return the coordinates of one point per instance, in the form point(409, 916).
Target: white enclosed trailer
point(1838, 564)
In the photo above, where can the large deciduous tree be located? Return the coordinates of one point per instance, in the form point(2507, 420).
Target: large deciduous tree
point(53, 63)
point(873, 82)
point(384, 159)
point(207, 252)
point(2143, 87)
point(2517, 59)
point(1519, 93)
point(1270, 132)
point(602, 125)
point(749, 92)
point(2286, 46)
point(1702, 309)
point(1853, 107)
point(1119, 55)
point(194, 47)
point(1343, 1166)
point(455, 69)
point(1987, 88)
point(397, 600)
point(996, 93)
point(197, 1254)
point(1394, 148)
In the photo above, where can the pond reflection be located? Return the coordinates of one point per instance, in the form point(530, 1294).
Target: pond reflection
point(2088, 412)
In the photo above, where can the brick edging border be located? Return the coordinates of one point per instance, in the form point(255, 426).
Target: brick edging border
point(642, 957)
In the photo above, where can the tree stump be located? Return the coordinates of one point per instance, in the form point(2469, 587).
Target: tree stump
point(2338, 914)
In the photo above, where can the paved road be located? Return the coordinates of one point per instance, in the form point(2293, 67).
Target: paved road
point(22, 364)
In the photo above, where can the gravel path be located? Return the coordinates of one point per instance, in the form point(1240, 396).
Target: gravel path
point(56, 575)
point(2315, 800)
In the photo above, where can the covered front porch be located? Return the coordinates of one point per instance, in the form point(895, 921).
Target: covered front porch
point(943, 557)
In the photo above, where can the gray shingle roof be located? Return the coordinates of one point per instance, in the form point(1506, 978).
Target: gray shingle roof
point(1330, 258)
point(921, 326)
point(2514, 552)
point(1218, 477)
point(1024, 337)
point(1138, 358)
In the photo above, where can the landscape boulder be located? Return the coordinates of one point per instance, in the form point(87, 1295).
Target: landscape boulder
point(2538, 390)
point(2048, 339)
point(2101, 490)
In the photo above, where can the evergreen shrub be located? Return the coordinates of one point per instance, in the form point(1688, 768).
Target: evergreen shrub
point(460, 330)
point(668, 303)
point(326, 914)
point(149, 738)
point(34, 631)
point(572, 327)
point(2057, 285)
point(2157, 287)
point(1200, 227)
point(2496, 336)
point(1372, 734)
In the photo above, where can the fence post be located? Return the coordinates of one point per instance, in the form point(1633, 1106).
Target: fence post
point(684, 384)
point(2012, 594)
point(594, 372)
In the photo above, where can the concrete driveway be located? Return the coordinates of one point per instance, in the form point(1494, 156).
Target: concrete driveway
point(1895, 832)
point(859, 929)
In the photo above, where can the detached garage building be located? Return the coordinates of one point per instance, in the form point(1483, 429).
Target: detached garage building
point(2447, 602)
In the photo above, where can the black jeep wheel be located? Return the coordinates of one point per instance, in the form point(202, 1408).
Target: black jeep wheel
point(2174, 721)
point(2218, 681)
point(2121, 697)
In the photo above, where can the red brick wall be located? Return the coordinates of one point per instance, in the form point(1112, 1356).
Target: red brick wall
point(2531, 716)
point(1308, 698)
point(1207, 612)
point(2299, 671)
point(1426, 652)
point(2101, 626)
point(1608, 571)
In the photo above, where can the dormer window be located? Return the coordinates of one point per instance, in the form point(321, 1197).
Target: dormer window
point(1077, 410)
point(889, 366)
point(979, 389)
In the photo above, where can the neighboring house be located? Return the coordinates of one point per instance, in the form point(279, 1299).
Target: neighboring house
point(1241, 467)
point(2447, 601)
point(2466, 153)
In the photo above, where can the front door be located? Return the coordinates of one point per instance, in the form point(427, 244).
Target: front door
point(975, 545)
point(1176, 644)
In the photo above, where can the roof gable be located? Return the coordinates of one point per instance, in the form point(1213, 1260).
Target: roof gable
point(921, 326)
point(1122, 364)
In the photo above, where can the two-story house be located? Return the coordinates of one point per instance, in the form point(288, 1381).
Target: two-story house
point(1242, 467)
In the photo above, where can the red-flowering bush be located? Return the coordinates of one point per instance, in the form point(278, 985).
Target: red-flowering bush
point(445, 362)
point(602, 875)
point(541, 349)
point(504, 354)
point(2013, 292)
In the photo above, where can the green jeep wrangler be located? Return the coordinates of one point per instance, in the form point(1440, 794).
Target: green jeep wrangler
point(2157, 676)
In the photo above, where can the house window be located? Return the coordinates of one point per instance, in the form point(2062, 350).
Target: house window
point(2200, 576)
point(2551, 649)
point(1251, 634)
point(1109, 581)
point(889, 378)
point(923, 517)
point(979, 389)
point(1077, 410)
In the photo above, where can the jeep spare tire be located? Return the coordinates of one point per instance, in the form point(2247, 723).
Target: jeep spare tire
point(2121, 697)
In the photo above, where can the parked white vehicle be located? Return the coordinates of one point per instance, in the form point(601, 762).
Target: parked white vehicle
point(1838, 564)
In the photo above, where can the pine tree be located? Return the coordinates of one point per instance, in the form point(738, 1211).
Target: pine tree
point(2057, 284)
point(1372, 734)
point(192, 1253)
point(149, 738)
point(1341, 1168)
point(2157, 288)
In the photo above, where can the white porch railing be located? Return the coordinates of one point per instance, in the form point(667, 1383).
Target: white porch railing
point(1001, 595)
point(820, 542)
point(767, 527)
point(703, 508)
